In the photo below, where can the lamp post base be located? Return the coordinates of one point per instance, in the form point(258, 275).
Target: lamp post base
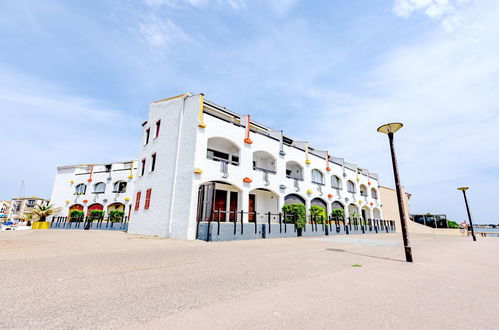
point(408, 254)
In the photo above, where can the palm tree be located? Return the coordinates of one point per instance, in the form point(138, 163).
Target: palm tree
point(28, 217)
point(42, 212)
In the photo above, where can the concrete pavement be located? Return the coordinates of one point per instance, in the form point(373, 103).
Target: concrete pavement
point(98, 279)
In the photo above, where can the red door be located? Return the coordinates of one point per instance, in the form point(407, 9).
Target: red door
point(233, 205)
point(220, 204)
point(251, 216)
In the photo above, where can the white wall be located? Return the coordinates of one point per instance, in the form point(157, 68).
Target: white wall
point(68, 177)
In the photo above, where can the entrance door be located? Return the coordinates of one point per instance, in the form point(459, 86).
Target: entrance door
point(206, 196)
point(220, 204)
point(364, 215)
point(251, 216)
point(233, 205)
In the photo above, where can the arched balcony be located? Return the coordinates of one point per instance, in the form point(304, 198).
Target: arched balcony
point(264, 162)
point(294, 171)
point(99, 188)
point(224, 151)
point(351, 186)
point(363, 190)
point(376, 213)
point(80, 189)
point(119, 187)
point(336, 182)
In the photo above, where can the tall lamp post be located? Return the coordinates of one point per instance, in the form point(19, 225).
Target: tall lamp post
point(390, 129)
point(463, 189)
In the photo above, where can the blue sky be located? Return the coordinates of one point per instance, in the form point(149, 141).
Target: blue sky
point(76, 79)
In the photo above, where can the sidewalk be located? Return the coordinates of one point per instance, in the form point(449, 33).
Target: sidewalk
point(111, 279)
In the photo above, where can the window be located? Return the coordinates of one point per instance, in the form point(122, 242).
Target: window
point(119, 187)
point(30, 203)
point(317, 176)
point(153, 162)
point(81, 189)
point(148, 133)
point(335, 182)
point(137, 201)
point(148, 199)
point(158, 126)
point(374, 193)
point(363, 190)
point(99, 188)
point(351, 187)
point(142, 171)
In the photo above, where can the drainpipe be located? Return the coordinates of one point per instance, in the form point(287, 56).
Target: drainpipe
point(172, 202)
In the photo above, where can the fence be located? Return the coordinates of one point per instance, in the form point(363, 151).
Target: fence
point(236, 228)
point(89, 222)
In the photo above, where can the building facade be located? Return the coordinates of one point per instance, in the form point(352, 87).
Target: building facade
point(199, 160)
point(4, 209)
point(22, 205)
point(106, 187)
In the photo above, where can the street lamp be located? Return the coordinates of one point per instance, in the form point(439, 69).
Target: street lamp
point(463, 189)
point(390, 129)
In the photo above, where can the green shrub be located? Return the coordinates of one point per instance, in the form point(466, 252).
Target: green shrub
point(116, 215)
point(297, 211)
point(96, 214)
point(452, 224)
point(339, 213)
point(76, 216)
point(318, 214)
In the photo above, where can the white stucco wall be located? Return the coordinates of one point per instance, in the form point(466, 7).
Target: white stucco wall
point(182, 147)
point(68, 177)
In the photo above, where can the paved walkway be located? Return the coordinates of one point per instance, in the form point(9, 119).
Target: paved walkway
point(98, 279)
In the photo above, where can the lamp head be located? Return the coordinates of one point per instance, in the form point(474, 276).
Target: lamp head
point(390, 128)
point(463, 188)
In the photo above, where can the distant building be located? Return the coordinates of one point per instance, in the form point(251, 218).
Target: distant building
point(88, 187)
point(4, 209)
point(22, 205)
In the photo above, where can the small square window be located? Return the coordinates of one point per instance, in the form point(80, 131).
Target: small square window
point(148, 134)
point(153, 162)
point(158, 126)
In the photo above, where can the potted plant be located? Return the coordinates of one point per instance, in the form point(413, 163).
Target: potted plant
point(41, 213)
point(295, 213)
point(116, 215)
point(318, 213)
point(338, 214)
point(28, 218)
point(76, 216)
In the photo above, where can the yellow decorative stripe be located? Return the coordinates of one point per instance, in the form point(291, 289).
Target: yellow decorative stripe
point(131, 170)
point(200, 115)
point(307, 159)
point(170, 98)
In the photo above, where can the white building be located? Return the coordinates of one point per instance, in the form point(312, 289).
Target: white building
point(21, 205)
point(105, 187)
point(198, 157)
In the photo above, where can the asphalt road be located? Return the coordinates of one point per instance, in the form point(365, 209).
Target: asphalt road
point(97, 279)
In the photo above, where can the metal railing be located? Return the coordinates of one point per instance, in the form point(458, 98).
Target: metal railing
point(90, 222)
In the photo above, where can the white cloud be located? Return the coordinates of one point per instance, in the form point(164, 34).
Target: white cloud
point(444, 88)
point(282, 7)
point(161, 33)
point(235, 4)
point(444, 11)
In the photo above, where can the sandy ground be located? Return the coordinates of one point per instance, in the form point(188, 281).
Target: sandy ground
point(98, 279)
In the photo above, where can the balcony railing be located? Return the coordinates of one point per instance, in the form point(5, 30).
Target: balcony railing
point(218, 159)
point(224, 168)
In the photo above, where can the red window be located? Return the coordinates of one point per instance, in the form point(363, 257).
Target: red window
point(148, 199)
point(137, 201)
point(158, 125)
point(153, 162)
point(148, 133)
point(143, 169)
